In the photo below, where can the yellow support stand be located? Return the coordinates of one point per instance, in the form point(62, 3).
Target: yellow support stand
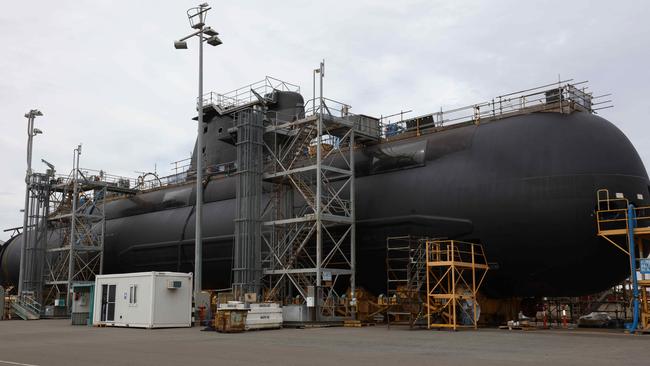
point(644, 289)
point(455, 272)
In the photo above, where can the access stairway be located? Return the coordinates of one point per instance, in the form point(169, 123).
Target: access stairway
point(26, 308)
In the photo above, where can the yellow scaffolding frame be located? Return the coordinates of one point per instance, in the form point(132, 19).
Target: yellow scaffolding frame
point(455, 272)
point(612, 225)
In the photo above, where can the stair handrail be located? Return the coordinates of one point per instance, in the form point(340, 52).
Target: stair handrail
point(27, 301)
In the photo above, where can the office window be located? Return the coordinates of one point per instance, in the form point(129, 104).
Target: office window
point(133, 294)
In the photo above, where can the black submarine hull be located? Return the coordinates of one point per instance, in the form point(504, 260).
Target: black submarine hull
point(524, 187)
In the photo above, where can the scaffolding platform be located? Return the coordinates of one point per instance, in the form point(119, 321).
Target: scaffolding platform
point(627, 228)
point(65, 233)
point(455, 272)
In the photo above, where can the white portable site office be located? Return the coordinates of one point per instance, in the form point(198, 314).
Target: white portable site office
point(143, 300)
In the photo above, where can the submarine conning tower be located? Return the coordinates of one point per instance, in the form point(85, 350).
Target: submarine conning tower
point(219, 125)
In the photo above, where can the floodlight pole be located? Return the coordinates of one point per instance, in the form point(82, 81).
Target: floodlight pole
point(209, 35)
point(198, 235)
point(31, 116)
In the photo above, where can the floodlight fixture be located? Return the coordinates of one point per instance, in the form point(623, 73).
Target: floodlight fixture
point(209, 31)
point(214, 41)
point(36, 131)
point(197, 25)
point(33, 113)
point(180, 45)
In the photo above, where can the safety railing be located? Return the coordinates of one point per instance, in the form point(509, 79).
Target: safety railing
point(181, 166)
point(182, 172)
point(91, 175)
point(182, 175)
point(614, 216)
point(340, 111)
point(28, 302)
point(563, 96)
point(447, 251)
point(247, 93)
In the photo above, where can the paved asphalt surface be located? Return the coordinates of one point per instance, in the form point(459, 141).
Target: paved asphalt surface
point(55, 342)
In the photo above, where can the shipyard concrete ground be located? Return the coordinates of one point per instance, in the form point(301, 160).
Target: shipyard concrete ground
point(55, 342)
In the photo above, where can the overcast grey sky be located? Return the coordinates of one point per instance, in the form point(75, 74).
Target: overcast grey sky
point(105, 74)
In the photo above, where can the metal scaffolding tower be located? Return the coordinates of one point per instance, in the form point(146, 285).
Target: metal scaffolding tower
point(76, 253)
point(455, 272)
point(405, 279)
point(295, 239)
point(309, 240)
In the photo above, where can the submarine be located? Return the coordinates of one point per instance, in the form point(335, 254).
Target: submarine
point(524, 186)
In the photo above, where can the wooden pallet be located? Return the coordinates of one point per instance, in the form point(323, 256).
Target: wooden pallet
point(352, 323)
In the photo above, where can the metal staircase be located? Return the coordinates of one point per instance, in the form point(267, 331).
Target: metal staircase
point(299, 148)
point(27, 308)
point(417, 268)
